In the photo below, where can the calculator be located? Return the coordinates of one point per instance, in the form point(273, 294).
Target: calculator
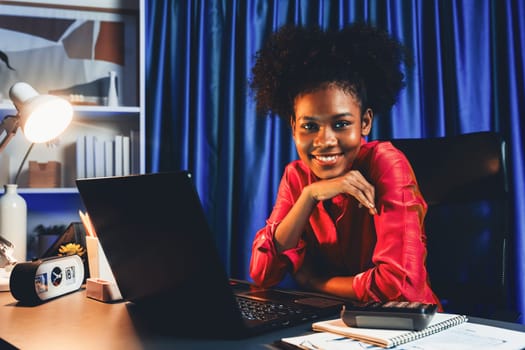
point(404, 315)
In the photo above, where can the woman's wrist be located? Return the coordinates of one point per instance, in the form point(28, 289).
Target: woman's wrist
point(311, 196)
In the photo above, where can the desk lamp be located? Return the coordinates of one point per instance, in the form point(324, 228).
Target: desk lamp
point(41, 117)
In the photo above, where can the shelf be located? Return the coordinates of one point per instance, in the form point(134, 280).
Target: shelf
point(104, 109)
point(57, 190)
point(9, 108)
point(92, 113)
point(91, 118)
point(100, 113)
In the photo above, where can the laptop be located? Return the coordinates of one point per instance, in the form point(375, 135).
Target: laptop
point(163, 255)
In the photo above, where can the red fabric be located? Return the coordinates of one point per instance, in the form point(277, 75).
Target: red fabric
point(386, 253)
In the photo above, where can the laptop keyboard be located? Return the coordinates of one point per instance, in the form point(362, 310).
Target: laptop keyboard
point(268, 311)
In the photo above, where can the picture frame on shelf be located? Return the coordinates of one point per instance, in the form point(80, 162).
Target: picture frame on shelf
point(70, 51)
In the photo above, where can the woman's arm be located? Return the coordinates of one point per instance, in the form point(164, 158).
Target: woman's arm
point(398, 259)
point(292, 227)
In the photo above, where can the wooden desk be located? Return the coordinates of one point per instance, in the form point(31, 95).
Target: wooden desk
point(76, 322)
point(69, 322)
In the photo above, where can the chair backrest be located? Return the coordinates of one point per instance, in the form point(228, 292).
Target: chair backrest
point(464, 181)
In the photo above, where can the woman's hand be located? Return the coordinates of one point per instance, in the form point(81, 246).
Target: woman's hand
point(308, 279)
point(352, 183)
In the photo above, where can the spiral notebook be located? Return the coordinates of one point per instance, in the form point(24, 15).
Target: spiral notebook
point(388, 338)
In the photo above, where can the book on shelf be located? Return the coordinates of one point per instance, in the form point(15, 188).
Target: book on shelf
point(99, 155)
point(388, 338)
point(96, 156)
point(126, 155)
point(90, 155)
point(108, 158)
point(81, 157)
point(118, 155)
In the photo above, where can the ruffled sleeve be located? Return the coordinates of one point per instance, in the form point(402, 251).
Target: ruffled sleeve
point(399, 256)
point(267, 267)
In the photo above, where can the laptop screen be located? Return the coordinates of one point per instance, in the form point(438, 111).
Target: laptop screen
point(162, 253)
point(153, 231)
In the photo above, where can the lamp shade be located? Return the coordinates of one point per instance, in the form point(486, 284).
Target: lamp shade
point(42, 117)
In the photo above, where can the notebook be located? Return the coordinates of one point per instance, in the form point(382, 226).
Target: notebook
point(388, 338)
point(163, 255)
point(466, 335)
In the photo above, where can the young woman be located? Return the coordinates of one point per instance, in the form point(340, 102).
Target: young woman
point(348, 218)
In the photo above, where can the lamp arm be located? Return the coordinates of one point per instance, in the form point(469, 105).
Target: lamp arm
point(23, 161)
point(9, 125)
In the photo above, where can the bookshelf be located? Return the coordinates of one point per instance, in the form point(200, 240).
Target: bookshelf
point(92, 118)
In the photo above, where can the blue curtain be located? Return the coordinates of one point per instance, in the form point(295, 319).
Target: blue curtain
point(469, 76)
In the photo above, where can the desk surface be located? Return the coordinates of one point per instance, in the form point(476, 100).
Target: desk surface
point(76, 322)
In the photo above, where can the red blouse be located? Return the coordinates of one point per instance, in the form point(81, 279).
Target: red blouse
point(386, 252)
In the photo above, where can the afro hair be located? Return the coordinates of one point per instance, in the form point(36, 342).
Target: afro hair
point(360, 59)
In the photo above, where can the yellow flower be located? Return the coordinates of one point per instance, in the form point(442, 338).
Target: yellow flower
point(71, 249)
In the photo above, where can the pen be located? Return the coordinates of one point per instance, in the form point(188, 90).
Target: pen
point(308, 345)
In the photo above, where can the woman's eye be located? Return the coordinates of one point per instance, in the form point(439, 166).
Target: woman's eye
point(310, 126)
point(341, 124)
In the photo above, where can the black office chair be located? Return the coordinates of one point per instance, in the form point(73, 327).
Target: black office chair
point(464, 181)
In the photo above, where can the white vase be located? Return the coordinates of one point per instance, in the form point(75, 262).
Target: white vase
point(13, 220)
point(112, 90)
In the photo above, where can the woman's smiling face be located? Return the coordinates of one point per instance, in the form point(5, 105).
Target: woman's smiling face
point(327, 130)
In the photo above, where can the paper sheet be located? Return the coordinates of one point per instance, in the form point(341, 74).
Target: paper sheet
point(466, 336)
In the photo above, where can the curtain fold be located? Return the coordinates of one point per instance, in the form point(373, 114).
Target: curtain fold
point(468, 76)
